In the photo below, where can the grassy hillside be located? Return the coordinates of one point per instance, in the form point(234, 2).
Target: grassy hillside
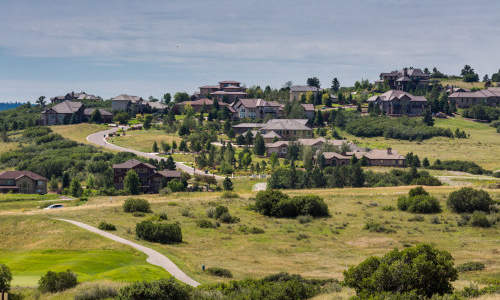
point(78, 132)
point(461, 83)
point(143, 140)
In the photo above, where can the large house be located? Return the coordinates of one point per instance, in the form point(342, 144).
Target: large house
point(259, 109)
point(125, 102)
point(288, 128)
point(296, 91)
point(24, 182)
point(61, 113)
point(106, 116)
point(226, 91)
point(151, 179)
point(396, 103)
point(404, 79)
point(490, 96)
point(74, 96)
point(375, 157)
point(281, 147)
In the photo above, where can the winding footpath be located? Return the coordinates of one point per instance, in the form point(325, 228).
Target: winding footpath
point(154, 257)
point(99, 139)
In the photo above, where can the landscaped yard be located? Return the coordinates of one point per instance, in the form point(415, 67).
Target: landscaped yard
point(78, 132)
point(143, 140)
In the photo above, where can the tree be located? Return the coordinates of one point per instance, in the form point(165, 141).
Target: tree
point(96, 116)
point(5, 279)
point(53, 184)
point(90, 183)
point(131, 183)
point(495, 77)
point(357, 175)
point(307, 158)
point(428, 118)
point(227, 184)
point(181, 97)
point(121, 118)
point(165, 147)
point(249, 138)
point(41, 101)
point(326, 100)
point(422, 269)
point(273, 160)
point(75, 188)
point(469, 75)
point(335, 85)
point(468, 200)
point(259, 146)
point(313, 81)
point(65, 180)
point(170, 165)
point(167, 98)
point(425, 162)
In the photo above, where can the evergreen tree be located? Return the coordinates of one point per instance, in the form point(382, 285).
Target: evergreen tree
point(318, 119)
point(273, 160)
point(428, 118)
point(5, 279)
point(170, 164)
point(75, 189)
point(155, 147)
point(425, 163)
point(65, 180)
point(96, 116)
point(53, 184)
point(132, 183)
point(249, 138)
point(230, 133)
point(335, 85)
point(357, 177)
point(227, 184)
point(259, 145)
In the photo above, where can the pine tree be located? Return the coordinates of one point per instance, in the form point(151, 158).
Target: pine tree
point(249, 138)
point(131, 183)
point(75, 189)
point(65, 180)
point(170, 164)
point(428, 118)
point(425, 163)
point(155, 147)
point(259, 145)
point(96, 116)
point(335, 85)
point(227, 184)
point(358, 177)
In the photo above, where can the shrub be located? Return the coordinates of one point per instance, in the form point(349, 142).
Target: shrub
point(106, 226)
point(419, 201)
point(458, 165)
point(227, 218)
point(221, 272)
point(417, 191)
point(229, 195)
point(136, 205)
point(138, 214)
point(153, 290)
point(277, 204)
point(265, 201)
point(377, 227)
point(252, 230)
point(468, 200)
point(220, 210)
point(175, 185)
point(479, 219)
point(204, 223)
point(53, 282)
point(470, 266)
point(96, 292)
point(416, 219)
point(304, 219)
point(422, 269)
point(159, 232)
point(186, 212)
point(388, 208)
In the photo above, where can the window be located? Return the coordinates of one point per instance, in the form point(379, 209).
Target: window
point(39, 182)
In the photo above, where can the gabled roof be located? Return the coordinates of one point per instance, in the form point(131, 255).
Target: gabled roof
point(312, 142)
point(303, 88)
point(227, 93)
point(18, 174)
point(382, 154)
point(89, 111)
point(257, 102)
point(229, 81)
point(206, 102)
point(169, 173)
point(396, 95)
point(157, 105)
point(277, 144)
point(65, 107)
point(248, 125)
point(286, 124)
point(209, 87)
point(490, 92)
point(308, 107)
point(125, 97)
point(271, 135)
point(330, 155)
point(132, 163)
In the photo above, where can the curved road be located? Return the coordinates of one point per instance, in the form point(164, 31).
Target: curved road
point(154, 257)
point(99, 138)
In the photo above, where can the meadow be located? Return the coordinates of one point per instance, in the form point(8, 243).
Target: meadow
point(143, 140)
point(460, 83)
point(78, 132)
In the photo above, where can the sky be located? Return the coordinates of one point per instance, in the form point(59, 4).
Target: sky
point(51, 47)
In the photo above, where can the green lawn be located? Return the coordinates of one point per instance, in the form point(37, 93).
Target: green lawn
point(461, 83)
point(143, 140)
point(78, 132)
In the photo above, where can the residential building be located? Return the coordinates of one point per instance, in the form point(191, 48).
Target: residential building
point(106, 116)
point(279, 147)
point(288, 128)
point(396, 103)
point(490, 96)
point(375, 157)
point(257, 108)
point(227, 91)
point(244, 127)
point(24, 182)
point(296, 91)
point(309, 110)
point(405, 79)
point(74, 96)
point(62, 113)
point(127, 102)
point(151, 179)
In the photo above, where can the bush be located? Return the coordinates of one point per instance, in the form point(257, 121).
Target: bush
point(155, 290)
point(227, 218)
point(136, 205)
point(220, 210)
point(96, 292)
point(377, 227)
point(417, 191)
point(106, 226)
point(422, 269)
point(221, 272)
point(276, 204)
point(252, 230)
point(470, 266)
point(229, 195)
point(419, 201)
point(53, 282)
point(159, 232)
point(304, 219)
point(204, 223)
point(479, 219)
point(468, 200)
point(458, 165)
point(175, 185)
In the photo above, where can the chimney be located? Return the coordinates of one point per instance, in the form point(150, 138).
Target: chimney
point(405, 71)
point(389, 150)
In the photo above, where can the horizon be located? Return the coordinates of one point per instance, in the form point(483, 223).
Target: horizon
point(153, 48)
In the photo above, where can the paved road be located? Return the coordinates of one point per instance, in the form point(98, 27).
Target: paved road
point(261, 186)
point(98, 138)
point(154, 257)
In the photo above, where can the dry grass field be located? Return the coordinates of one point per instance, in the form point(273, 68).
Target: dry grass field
point(78, 132)
point(143, 140)
point(461, 83)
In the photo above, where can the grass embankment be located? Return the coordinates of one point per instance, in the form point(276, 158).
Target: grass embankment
point(321, 248)
point(483, 146)
point(460, 83)
point(143, 140)
point(78, 132)
point(33, 245)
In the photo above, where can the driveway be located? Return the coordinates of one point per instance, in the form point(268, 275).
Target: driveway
point(99, 139)
point(154, 257)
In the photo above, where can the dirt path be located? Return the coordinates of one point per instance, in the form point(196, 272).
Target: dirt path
point(154, 257)
point(99, 138)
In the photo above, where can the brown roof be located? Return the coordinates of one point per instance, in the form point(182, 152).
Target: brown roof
point(227, 93)
point(169, 173)
point(277, 144)
point(248, 125)
point(304, 88)
point(89, 111)
point(396, 95)
point(209, 87)
point(330, 155)
point(381, 154)
point(254, 102)
point(308, 107)
point(286, 124)
point(206, 102)
point(490, 92)
point(19, 174)
point(229, 81)
point(65, 107)
point(124, 97)
point(132, 163)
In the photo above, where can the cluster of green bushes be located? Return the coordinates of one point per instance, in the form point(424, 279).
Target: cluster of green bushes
point(159, 232)
point(419, 201)
point(482, 112)
point(21, 117)
point(220, 272)
point(274, 203)
point(96, 292)
point(397, 128)
point(136, 205)
point(476, 202)
point(397, 177)
point(221, 213)
point(458, 165)
point(106, 226)
point(470, 266)
point(54, 282)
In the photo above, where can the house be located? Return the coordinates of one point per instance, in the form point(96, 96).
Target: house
point(24, 182)
point(288, 128)
point(405, 79)
point(62, 113)
point(244, 127)
point(151, 179)
point(279, 147)
point(74, 96)
point(227, 91)
point(318, 143)
point(336, 159)
point(375, 157)
point(127, 103)
point(296, 91)
point(490, 96)
point(106, 116)
point(396, 103)
point(257, 108)
point(309, 110)
point(204, 103)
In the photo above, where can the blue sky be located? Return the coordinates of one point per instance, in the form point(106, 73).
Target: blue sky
point(148, 47)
